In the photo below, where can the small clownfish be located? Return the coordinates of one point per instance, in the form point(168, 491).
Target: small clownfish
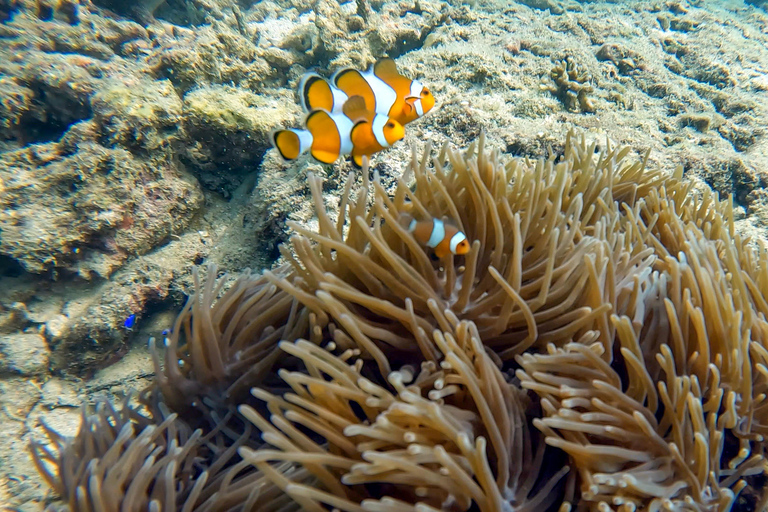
point(383, 88)
point(443, 238)
point(357, 131)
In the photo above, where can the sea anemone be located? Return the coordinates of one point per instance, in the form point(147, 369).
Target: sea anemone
point(603, 346)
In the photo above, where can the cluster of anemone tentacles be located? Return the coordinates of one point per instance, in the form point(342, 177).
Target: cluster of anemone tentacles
point(603, 346)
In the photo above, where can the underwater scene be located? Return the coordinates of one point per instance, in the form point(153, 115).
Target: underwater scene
point(367, 255)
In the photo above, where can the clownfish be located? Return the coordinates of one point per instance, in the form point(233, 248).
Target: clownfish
point(383, 88)
point(443, 238)
point(357, 131)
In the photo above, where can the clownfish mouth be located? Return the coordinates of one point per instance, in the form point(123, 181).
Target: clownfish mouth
point(411, 102)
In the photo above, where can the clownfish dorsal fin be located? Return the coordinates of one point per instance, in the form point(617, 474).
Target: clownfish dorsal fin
point(386, 68)
point(354, 108)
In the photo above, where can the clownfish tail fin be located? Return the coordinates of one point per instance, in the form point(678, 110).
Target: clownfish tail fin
point(291, 143)
point(315, 92)
point(309, 86)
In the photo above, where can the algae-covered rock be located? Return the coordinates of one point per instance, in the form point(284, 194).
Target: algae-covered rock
point(61, 88)
point(58, 211)
point(16, 108)
point(622, 57)
point(357, 37)
point(138, 113)
point(214, 54)
point(551, 5)
point(230, 128)
point(24, 353)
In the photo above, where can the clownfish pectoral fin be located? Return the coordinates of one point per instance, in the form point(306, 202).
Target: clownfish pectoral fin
point(354, 109)
point(353, 83)
point(408, 106)
point(291, 143)
point(406, 221)
point(359, 129)
point(326, 141)
point(440, 252)
point(361, 135)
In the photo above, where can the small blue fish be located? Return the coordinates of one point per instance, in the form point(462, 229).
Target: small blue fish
point(129, 322)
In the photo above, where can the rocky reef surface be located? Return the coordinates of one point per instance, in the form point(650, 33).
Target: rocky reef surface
point(134, 145)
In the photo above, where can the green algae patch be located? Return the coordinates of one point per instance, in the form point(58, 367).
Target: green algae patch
point(229, 109)
point(138, 114)
point(229, 132)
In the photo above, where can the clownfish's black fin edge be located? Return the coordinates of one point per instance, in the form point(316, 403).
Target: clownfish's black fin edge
point(306, 84)
point(273, 138)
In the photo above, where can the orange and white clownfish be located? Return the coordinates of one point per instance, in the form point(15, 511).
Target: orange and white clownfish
point(383, 88)
point(442, 237)
point(356, 132)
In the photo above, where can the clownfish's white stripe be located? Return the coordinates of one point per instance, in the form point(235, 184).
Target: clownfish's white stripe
point(305, 140)
point(416, 88)
point(339, 98)
point(438, 233)
point(344, 126)
point(384, 93)
point(412, 225)
point(456, 240)
point(378, 130)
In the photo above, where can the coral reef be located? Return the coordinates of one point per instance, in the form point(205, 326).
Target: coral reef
point(102, 160)
point(630, 313)
point(571, 85)
point(87, 212)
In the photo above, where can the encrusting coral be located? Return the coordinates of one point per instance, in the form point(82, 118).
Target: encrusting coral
point(571, 85)
point(601, 347)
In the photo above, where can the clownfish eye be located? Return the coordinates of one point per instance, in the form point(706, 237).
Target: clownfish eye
point(390, 125)
point(425, 92)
